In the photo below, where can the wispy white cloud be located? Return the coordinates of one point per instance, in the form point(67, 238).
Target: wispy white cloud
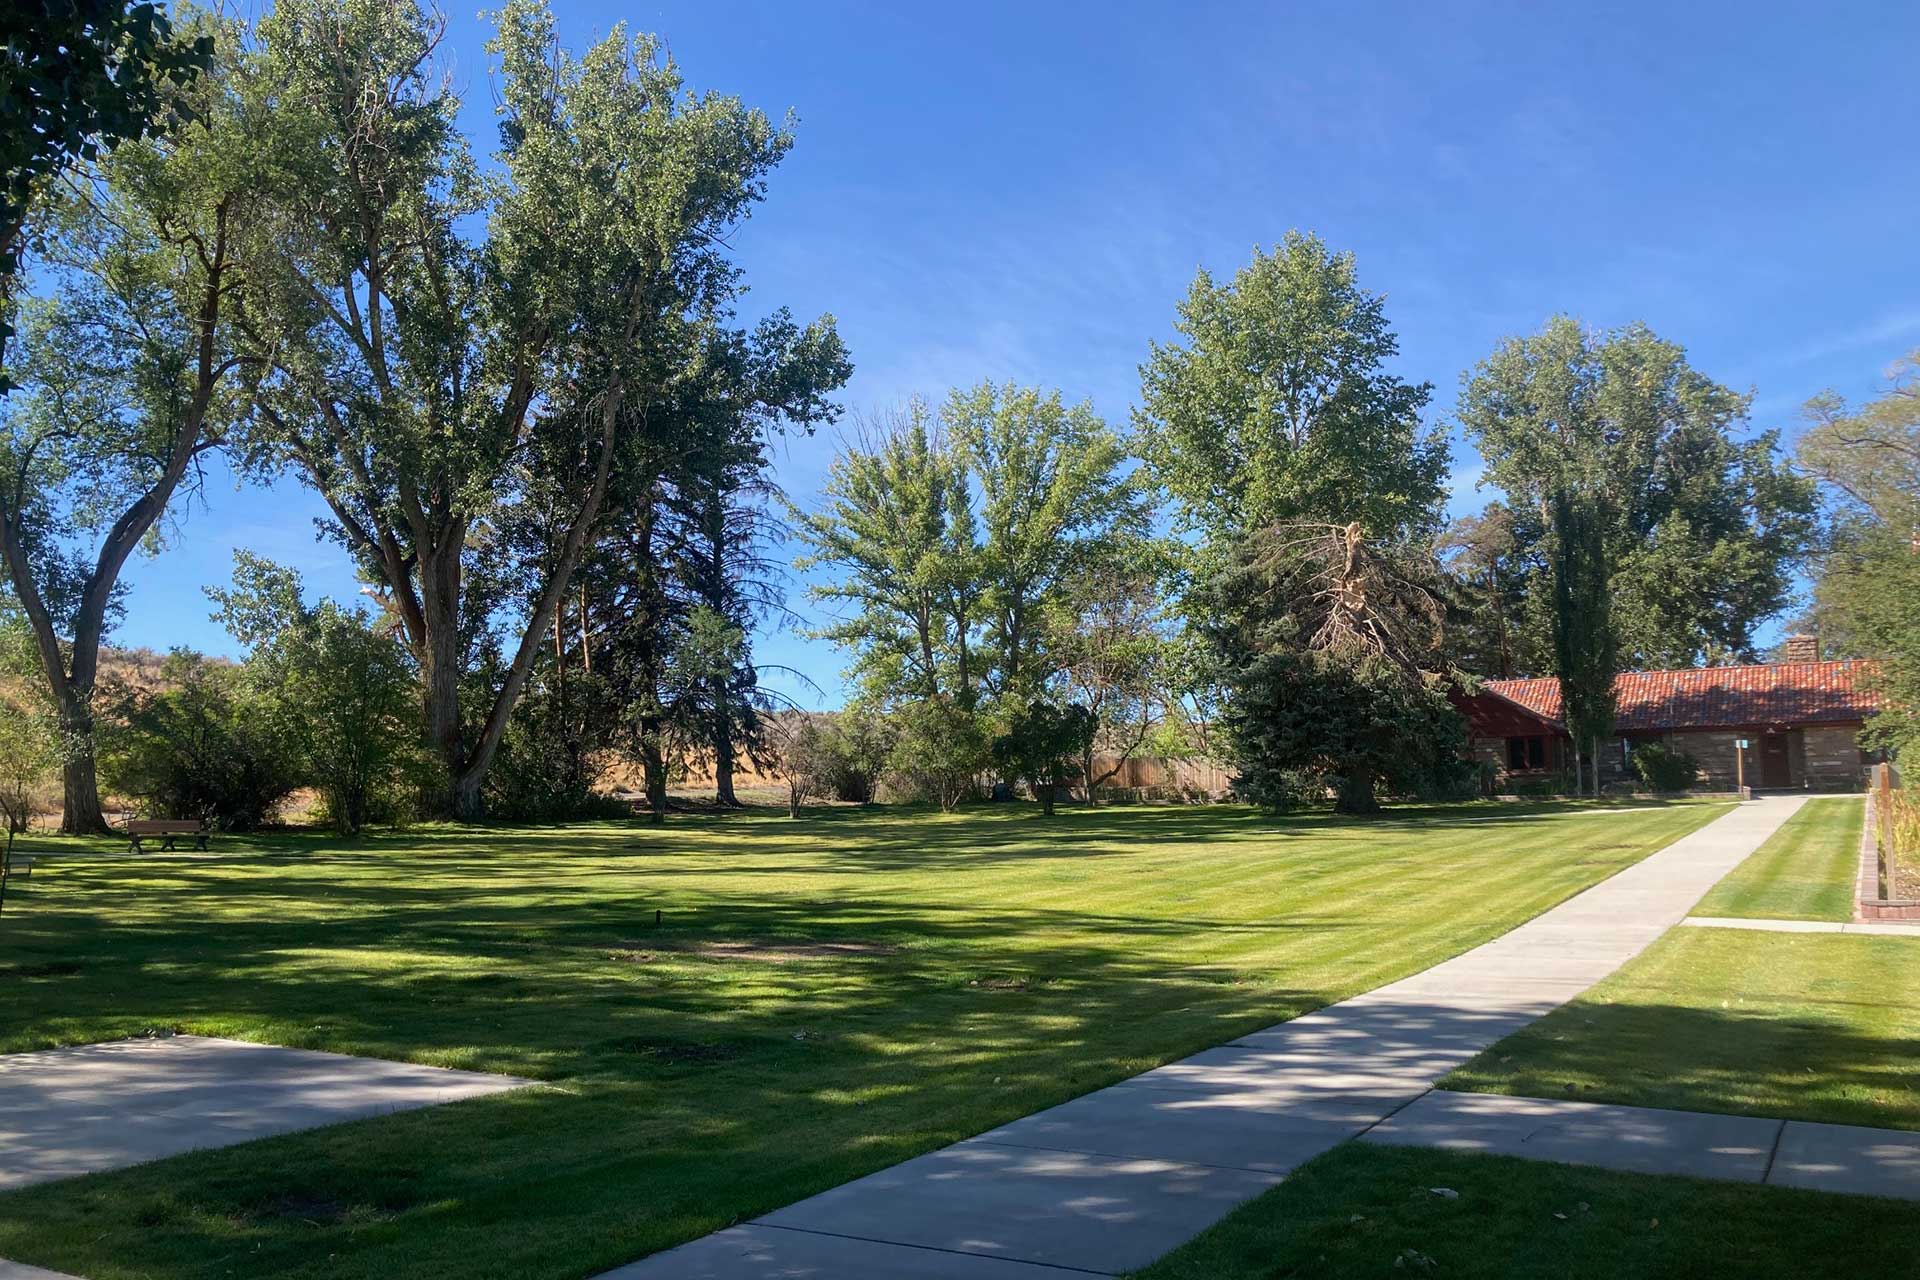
point(1888, 328)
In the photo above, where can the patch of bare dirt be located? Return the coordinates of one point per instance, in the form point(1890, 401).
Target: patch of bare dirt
point(698, 1052)
point(314, 1210)
point(764, 952)
point(1000, 984)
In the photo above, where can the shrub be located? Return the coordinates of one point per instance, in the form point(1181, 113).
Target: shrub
point(1540, 786)
point(857, 744)
point(29, 757)
point(348, 702)
point(1661, 768)
point(840, 755)
point(938, 753)
point(804, 755)
point(1044, 744)
point(201, 745)
point(543, 771)
point(343, 695)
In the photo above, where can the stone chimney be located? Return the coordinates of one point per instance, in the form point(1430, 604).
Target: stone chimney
point(1800, 648)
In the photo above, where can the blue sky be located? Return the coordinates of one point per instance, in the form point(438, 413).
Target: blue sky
point(1023, 191)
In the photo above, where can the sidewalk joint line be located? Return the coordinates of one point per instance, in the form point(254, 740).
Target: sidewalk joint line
point(1779, 1135)
point(1391, 1114)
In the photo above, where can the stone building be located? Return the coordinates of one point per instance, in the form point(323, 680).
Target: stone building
point(1800, 720)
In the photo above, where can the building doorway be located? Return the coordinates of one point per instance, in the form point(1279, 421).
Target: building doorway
point(1776, 767)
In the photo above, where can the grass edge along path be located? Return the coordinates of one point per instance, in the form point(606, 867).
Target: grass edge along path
point(1012, 963)
point(1805, 871)
point(1364, 1210)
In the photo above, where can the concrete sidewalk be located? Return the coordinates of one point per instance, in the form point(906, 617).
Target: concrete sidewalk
point(21, 1271)
point(65, 1112)
point(1698, 1144)
point(1110, 1181)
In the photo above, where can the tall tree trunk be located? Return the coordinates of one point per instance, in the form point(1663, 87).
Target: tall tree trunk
point(1500, 627)
point(440, 673)
point(586, 648)
point(80, 787)
point(654, 762)
point(441, 537)
point(576, 775)
point(465, 799)
point(1353, 793)
point(714, 589)
point(648, 618)
point(1046, 799)
point(723, 762)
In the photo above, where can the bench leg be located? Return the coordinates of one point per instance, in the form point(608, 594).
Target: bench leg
point(134, 845)
point(166, 845)
point(200, 842)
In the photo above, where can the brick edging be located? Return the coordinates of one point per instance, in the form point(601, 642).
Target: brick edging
point(1868, 904)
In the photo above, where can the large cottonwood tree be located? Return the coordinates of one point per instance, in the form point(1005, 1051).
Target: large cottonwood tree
point(896, 532)
point(1276, 403)
point(1704, 525)
point(126, 376)
point(423, 360)
point(1055, 500)
point(956, 540)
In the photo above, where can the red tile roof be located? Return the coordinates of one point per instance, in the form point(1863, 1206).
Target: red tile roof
point(1776, 693)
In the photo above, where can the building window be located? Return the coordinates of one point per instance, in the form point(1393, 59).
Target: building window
point(1526, 753)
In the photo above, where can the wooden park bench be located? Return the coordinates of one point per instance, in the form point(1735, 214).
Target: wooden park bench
point(169, 829)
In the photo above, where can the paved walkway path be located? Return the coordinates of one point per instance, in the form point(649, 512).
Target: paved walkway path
point(21, 1271)
point(1111, 1181)
point(1879, 928)
point(1788, 1153)
point(65, 1112)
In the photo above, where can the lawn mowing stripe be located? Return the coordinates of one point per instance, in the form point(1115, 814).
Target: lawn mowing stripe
point(1807, 871)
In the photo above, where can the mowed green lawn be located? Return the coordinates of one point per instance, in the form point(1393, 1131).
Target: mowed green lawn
point(1809, 1026)
point(1805, 1026)
point(1816, 1026)
point(819, 999)
point(1807, 870)
point(1367, 1211)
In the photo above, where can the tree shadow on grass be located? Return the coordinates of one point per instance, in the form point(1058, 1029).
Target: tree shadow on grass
point(691, 1090)
point(875, 838)
point(532, 987)
point(1729, 1061)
